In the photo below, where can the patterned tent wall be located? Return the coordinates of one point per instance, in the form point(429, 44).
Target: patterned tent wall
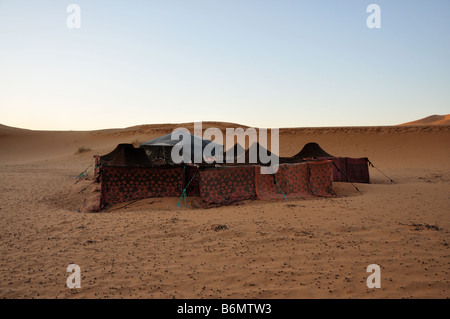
point(216, 186)
point(300, 180)
point(226, 185)
point(191, 180)
point(121, 184)
point(96, 167)
point(321, 178)
point(231, 184)
point(348, 169)
point(291, 179)
point(357, 170)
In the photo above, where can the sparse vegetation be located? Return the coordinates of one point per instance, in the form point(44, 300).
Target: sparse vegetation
point(219, 227)
point(425, 226)
point(82, 149)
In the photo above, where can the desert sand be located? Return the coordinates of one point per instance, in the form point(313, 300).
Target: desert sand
point(318, 248)
point(431, 120)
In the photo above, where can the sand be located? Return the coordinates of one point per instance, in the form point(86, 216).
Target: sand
point(318, 248)
point(431, 120)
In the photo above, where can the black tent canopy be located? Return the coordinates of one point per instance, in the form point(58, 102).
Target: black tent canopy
point(312, 150)
point(126, 155)
point(161, 148)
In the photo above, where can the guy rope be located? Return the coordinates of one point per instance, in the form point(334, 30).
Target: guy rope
point(84, 173)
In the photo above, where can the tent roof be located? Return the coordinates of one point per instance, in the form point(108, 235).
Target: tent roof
point(312, 150)
point(238, 151)
point(125, 155)
point(189, 145)
point(166, 140)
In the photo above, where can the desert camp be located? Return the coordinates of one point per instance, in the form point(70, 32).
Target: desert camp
point(142, 230)
point(128, 173)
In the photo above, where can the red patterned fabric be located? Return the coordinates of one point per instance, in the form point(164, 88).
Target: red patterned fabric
point(192, 178)
point(216, 186)
point(347, 169)
point(321, 178)
point(121, 184)
point(96, 168)
point(292, 180)
point(339, 167)
point(357, 170)
point(227, 185)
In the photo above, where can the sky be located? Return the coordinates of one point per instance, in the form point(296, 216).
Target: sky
point(262, 63)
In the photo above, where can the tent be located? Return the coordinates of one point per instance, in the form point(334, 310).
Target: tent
point(345, 169)
point(129, 173)
point(126, 173)
point(125, 155)
point(161, 148)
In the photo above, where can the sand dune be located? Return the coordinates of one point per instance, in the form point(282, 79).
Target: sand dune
point(296, 249)
point(20, 145)
point(432, 120)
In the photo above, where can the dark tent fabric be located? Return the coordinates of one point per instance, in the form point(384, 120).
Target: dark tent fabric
point(191, 180)
point(351, 170)
point(125, 155)
point(312, 150)
point(339, 168)
point(345, 169)
point(158, 153)
point(161, 148)
point(116, 152)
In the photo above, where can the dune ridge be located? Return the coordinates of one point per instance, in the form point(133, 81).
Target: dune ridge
point(431, 120)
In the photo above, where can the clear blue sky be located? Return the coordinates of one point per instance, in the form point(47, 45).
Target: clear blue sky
point(263, 63)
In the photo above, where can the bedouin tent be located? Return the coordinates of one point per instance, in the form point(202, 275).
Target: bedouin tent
point(161, 148)
point(126, 174)
point(345, 169)
point(126, 155)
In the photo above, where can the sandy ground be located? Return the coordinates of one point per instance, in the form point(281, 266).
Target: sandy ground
point(317, 248)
